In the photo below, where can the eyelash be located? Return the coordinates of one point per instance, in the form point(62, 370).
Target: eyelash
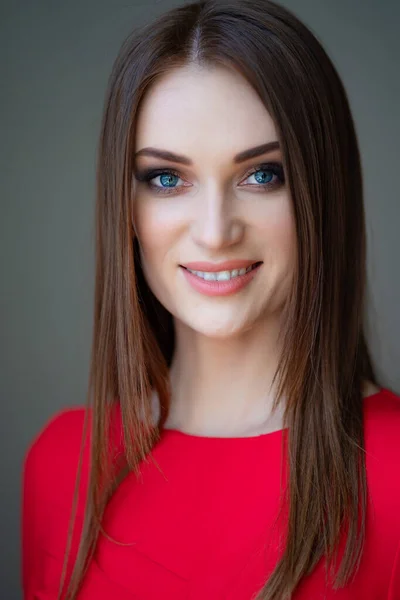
point(146, 177)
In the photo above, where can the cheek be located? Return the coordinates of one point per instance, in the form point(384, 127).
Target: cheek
point(280, 256)
point(157, 231)
point(278, 228)
point(157, 223)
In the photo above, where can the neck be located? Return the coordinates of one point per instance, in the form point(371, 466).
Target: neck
point(224, 386)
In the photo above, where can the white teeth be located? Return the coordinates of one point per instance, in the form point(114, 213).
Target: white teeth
point(221, 275)
point(213, 276)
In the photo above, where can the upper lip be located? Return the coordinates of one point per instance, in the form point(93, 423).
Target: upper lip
point(228, 265)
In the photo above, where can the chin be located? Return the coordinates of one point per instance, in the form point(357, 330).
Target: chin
point(216, 326)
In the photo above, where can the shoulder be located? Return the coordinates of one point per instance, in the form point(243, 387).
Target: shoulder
point(62, 446)
point(382, 458)
point(48, 484)
point(52, 457)
point(60, 434)
point(64, 425)
point(382, 423)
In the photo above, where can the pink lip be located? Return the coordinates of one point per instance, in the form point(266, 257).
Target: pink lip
point(228, 265)
point(219, 288)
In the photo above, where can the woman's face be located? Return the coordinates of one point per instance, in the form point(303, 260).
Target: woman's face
point(211, 207)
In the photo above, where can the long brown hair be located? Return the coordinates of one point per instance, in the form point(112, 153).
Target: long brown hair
point(325, 356)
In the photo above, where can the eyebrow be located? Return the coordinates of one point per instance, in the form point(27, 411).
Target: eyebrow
point(238, 158)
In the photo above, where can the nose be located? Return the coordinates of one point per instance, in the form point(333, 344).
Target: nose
point(217, 224)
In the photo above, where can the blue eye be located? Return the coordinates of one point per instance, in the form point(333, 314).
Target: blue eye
point(267, 177)
point(168, 179)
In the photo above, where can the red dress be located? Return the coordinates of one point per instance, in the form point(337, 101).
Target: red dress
point(200, 525)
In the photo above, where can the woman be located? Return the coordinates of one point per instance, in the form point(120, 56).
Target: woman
point(237, 442)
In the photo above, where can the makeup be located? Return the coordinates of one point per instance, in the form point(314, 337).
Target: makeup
point(221, 287)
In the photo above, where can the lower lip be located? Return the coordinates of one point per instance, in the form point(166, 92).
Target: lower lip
point(220, 288)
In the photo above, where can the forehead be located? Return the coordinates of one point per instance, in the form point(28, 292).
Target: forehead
point(195, 109)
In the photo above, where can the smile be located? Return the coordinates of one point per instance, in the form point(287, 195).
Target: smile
point(222, 275)
point(220, 283)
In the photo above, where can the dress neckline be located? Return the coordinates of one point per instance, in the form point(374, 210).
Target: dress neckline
point(276, 434)
point(194, 436)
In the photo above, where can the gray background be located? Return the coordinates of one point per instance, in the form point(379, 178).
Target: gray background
point(55, 60)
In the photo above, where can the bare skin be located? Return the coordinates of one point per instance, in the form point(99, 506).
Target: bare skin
point(226, 347)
